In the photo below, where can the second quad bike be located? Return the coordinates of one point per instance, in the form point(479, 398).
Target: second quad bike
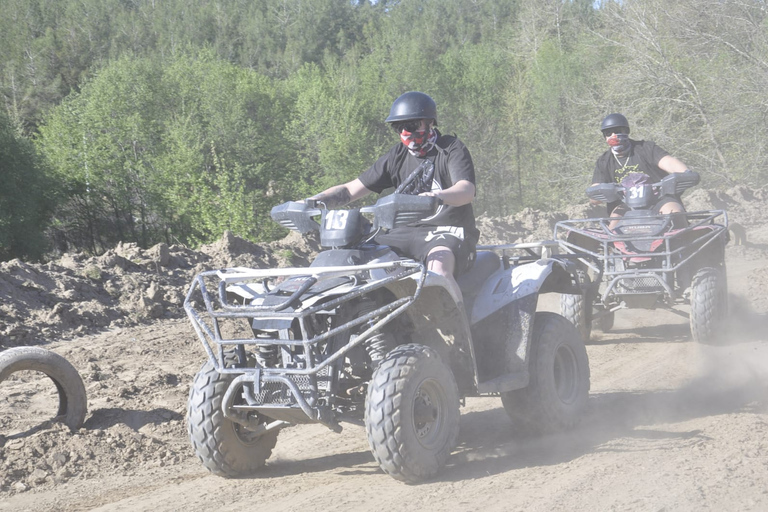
point(365, 336)
point(648, 260)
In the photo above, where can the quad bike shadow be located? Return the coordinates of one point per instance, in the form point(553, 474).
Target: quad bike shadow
point(365, 336)
point(645, 260)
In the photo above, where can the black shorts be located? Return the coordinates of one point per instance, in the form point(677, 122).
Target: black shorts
point(416, 242)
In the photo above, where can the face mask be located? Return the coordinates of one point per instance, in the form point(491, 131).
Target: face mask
point(619, 143)
point(420, 142)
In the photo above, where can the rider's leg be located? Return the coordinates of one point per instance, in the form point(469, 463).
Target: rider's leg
point(617, 213)
point(441, 261)
point(673, 206)
point(617, 216)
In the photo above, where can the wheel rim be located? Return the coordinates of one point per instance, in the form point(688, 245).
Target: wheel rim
point(245, 436)
point(428, 413)
point(566, 374)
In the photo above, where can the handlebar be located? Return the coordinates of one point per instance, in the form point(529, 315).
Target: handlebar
point(389, 212)
point(673, 184)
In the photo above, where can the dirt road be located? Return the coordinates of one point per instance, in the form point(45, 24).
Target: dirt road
point(671, 425)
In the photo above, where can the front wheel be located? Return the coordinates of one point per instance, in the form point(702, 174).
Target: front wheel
point(709, 305)
point(225, 448)
point(603, 320)
point(558, 390)
point(412, 413)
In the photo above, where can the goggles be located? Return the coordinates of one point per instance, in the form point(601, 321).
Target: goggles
point(617, 130)
point(409, 126)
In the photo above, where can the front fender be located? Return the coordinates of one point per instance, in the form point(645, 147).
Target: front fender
point(508, 285)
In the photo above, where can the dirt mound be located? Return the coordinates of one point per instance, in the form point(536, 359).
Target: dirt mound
point(135, 418)
point(80, 294)
point(744, 205)
point(530, 225)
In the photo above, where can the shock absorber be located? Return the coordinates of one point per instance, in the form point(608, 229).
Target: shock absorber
point(378, 346)
point(267, 355)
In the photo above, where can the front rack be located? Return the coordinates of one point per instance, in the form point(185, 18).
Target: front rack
point(219, 324)
point(218, 307)
point(596, 247)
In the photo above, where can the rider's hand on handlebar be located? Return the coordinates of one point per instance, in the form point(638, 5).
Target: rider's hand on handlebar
point(432, 194)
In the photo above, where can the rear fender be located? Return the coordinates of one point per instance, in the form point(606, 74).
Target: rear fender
point(711, 255)
point(521, 281)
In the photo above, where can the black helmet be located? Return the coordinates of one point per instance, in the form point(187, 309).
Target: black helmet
point(412, 105)
point(614, 121)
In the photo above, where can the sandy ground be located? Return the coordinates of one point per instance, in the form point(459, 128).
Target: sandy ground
point(671, 425)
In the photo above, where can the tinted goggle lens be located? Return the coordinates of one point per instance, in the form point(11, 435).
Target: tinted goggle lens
point(619, 129)
point(409, 126)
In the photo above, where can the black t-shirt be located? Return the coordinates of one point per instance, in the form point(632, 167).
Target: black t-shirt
point(452, 162)
point(644, 156)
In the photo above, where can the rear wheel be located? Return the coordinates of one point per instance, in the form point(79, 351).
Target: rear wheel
point(412, 413)
point(559, 384)
point(224, 447)
point(709, 305)
point(577, 309)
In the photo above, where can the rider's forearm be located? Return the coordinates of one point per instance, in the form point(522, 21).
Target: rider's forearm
point(671, 164)
point(459, 194)
point(334, 197)
point(341, 195)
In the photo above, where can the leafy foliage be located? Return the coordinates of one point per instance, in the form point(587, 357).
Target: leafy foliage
point(27, 196)
point(175, 120)
point(177, 153)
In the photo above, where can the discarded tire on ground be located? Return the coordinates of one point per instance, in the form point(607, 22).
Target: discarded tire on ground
point(72, 399)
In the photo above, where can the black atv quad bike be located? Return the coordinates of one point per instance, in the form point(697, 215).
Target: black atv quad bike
point(365, 336)
point(647, 260)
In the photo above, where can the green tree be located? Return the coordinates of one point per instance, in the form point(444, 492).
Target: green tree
point(174, 152)
point(27, 197)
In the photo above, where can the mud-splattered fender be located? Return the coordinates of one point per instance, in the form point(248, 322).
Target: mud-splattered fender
point(511, 284)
